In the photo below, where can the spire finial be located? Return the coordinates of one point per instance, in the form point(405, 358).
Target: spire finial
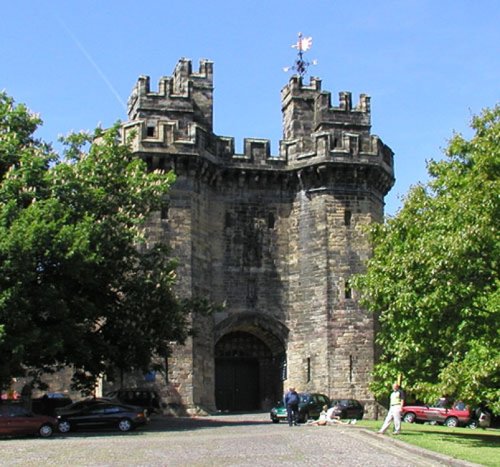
point(302, 45)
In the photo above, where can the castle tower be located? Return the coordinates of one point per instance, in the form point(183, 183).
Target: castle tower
point(274, 237)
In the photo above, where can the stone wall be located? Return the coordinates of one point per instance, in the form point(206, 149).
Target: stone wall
point(274, 238)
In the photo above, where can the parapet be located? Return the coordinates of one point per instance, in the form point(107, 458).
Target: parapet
point(176, 120)
point(357, 117)
point(307, 109)
point(185, 91)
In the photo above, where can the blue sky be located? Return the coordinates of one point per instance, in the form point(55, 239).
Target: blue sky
point(428, 65)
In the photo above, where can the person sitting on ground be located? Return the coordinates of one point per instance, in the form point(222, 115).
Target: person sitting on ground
point(333, 419)
point(322, 419)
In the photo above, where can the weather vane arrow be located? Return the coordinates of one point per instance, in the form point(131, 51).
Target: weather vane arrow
point(302, 45)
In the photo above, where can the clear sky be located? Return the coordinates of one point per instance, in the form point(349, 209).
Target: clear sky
point(428, 65)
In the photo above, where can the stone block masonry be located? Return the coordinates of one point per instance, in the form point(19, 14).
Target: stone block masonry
point(274, 237)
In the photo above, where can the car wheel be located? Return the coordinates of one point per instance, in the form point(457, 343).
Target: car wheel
point(45, 431)
point(473, 424)
point(125, 425)
point(451, 422)
point(64, 426)
point(275, 420)
point(302, 418)
point(409, 417)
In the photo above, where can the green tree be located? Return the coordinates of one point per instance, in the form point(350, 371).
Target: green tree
point(433, 278)
point(78, 285)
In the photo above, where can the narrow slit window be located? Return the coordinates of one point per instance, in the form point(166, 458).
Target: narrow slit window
point(347, 290)
point(164, 211)
point(347, 217)
point(270, 220)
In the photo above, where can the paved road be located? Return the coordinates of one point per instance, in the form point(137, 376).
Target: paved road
point(224, 440)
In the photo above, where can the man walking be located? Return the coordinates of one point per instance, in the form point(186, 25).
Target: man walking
point(291, 401)
point(396, 403)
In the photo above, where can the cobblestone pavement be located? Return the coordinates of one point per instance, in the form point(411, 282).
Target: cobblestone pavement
point(223, 440)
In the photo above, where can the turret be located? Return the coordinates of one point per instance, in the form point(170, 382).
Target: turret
point(313, 127)
point(186, 97)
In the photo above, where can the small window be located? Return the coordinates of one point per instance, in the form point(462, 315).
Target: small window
point(151, 131)
point(228, 221)
point(308, 370)
point(347, 217)
point(164, 211)
point(270, 220)
point(347, 290)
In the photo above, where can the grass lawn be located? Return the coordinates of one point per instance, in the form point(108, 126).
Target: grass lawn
point(478, 446)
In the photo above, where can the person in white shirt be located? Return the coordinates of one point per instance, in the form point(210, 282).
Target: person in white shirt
point(396, 403)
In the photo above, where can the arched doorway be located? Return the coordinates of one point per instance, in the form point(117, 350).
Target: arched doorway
point(248, 372)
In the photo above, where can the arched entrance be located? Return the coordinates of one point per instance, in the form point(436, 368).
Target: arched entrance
point(249, 363)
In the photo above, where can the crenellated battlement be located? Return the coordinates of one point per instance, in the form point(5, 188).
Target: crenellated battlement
point(168, 137)
point(356, 118)
point(307, 109)
point(177, 120)
point(186, 95)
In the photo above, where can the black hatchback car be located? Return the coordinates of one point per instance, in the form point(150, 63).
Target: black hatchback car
point(123, 417)
point(348, 408)
point(310, 406)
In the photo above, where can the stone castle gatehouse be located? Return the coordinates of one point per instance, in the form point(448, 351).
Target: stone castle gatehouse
point(274, 237)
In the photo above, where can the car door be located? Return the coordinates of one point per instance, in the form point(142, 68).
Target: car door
point(111, 415)
point(107, 415)
point(435, 414)
point(90, 416)
point(351, 409)
point(20, 420)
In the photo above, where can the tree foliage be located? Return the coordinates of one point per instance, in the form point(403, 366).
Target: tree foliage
point(433, 278)
point(76, 286)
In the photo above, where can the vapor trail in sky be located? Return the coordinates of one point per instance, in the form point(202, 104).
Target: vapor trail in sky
point(93, 63)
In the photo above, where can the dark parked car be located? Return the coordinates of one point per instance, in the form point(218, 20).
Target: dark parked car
point(310, 406)
point(17, 420)
point(146, 398)
point(102, 414)
point(348, 408)
point(457, 415)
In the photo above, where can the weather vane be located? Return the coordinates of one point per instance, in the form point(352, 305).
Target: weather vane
point(302, 45)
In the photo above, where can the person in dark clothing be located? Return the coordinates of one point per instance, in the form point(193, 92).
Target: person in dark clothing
point(291, 401)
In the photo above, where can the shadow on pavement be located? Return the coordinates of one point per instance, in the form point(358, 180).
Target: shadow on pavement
point(161, 423)
point(197, 423)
